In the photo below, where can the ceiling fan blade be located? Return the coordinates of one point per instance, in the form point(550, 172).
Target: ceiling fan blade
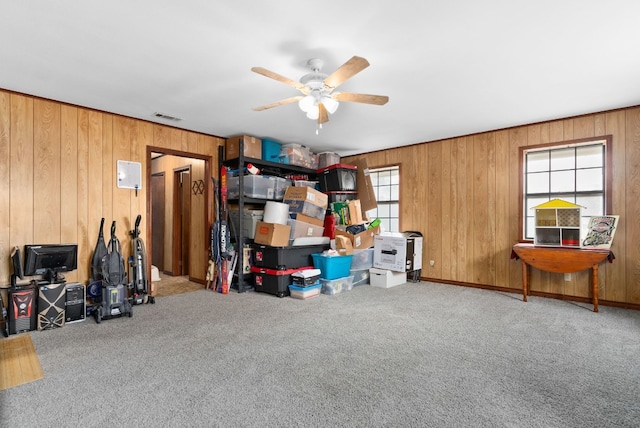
point(279, 103)
point(360, 98)
point(347, 70)
point(280, 78)
point(323, 115)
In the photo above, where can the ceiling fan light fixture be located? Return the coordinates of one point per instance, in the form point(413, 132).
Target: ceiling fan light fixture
point(307, 103)
point(313, 113)
point(318, 99)
point(330, 104)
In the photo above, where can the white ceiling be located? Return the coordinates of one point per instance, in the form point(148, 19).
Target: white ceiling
point(449, 68)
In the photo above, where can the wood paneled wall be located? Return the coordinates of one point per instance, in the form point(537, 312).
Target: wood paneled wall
point(58, 170)
point(58, 176)
point(462, 194)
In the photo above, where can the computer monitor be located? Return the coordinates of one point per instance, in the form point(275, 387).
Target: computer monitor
point(16, 262)
point(50, 260)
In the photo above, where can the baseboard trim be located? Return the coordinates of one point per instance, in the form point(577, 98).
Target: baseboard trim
point(578, 299)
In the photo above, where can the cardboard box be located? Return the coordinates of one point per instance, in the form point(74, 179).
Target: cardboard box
point(355, 212)
point(252, 147)
point(398, 252)
point(300, 229)
point(343, 245)
point(384, 278)
point(307, 219)
point(306, 201)
point(362, 240)
point(366, 192)
point(273, 234)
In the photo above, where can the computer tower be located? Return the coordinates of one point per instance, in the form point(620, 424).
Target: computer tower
point(23, 304)
point(51, 306)
point(75, 303)
point(4, 325)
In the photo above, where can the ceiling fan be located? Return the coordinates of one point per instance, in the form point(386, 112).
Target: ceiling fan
point(318, 99)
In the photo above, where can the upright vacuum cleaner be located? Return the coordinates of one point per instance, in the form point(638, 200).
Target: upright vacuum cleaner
point(138, 268)
point(114, 302)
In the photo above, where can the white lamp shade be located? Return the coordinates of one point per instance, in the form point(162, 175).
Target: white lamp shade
point(330, 104)
point(307, 103)
point(313, 113)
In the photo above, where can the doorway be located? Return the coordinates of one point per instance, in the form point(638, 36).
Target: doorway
point(178, 212)
point(181, 220)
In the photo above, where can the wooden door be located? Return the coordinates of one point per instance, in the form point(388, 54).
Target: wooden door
point(157, 220)
point(185, 242)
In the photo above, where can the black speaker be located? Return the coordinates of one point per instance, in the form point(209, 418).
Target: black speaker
point(75, 302)
point(51, 310)
point(22, 314)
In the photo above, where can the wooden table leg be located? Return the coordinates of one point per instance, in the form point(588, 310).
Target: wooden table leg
point(594, 282)
point(525, 281)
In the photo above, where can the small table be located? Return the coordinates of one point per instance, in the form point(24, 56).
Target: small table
point(560, 260)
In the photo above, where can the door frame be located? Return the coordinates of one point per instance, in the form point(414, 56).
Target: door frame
point(208, 215)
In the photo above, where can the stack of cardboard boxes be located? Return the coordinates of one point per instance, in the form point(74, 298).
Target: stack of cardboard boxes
point(338, 211)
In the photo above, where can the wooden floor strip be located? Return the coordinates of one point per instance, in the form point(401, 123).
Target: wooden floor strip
point(19, 362)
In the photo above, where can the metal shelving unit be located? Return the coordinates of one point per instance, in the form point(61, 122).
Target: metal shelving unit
point(242, 281)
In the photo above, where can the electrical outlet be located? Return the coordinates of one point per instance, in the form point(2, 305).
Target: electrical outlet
point(432, 263)
point(567, 277)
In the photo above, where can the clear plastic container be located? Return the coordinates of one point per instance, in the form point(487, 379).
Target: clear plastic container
point(280, 187)
point(326, 159)
point(362, 259)
point(255, 186)
point(335, 286)
point(295, 154)
point(360, 277)
point(249, 220)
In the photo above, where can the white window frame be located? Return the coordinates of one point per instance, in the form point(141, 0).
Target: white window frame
point(386, 185)
point(560, 178)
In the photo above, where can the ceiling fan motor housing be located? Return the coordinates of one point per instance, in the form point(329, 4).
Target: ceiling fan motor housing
point(315, 79)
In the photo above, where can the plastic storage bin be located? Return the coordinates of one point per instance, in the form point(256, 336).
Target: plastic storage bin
point(342, 196)
point(249, 220)
point(271, 150)
point(285, 257)
point(313, 160)
point(255, 186)
point(280, 187)
point(362, 259)
point(332, 267)
point(338, 285)
point(305, 183)
point(338, 178)
point(326, 159)
point(273, 281)
point(305, 292)
point(295, 154)
point(360, 277)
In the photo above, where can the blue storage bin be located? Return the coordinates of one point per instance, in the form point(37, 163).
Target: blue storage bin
point(270, 150)
point(332, 267)
point(305, 292)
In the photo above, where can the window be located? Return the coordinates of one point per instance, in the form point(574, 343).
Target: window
point(574, 171)
point(386, 184)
